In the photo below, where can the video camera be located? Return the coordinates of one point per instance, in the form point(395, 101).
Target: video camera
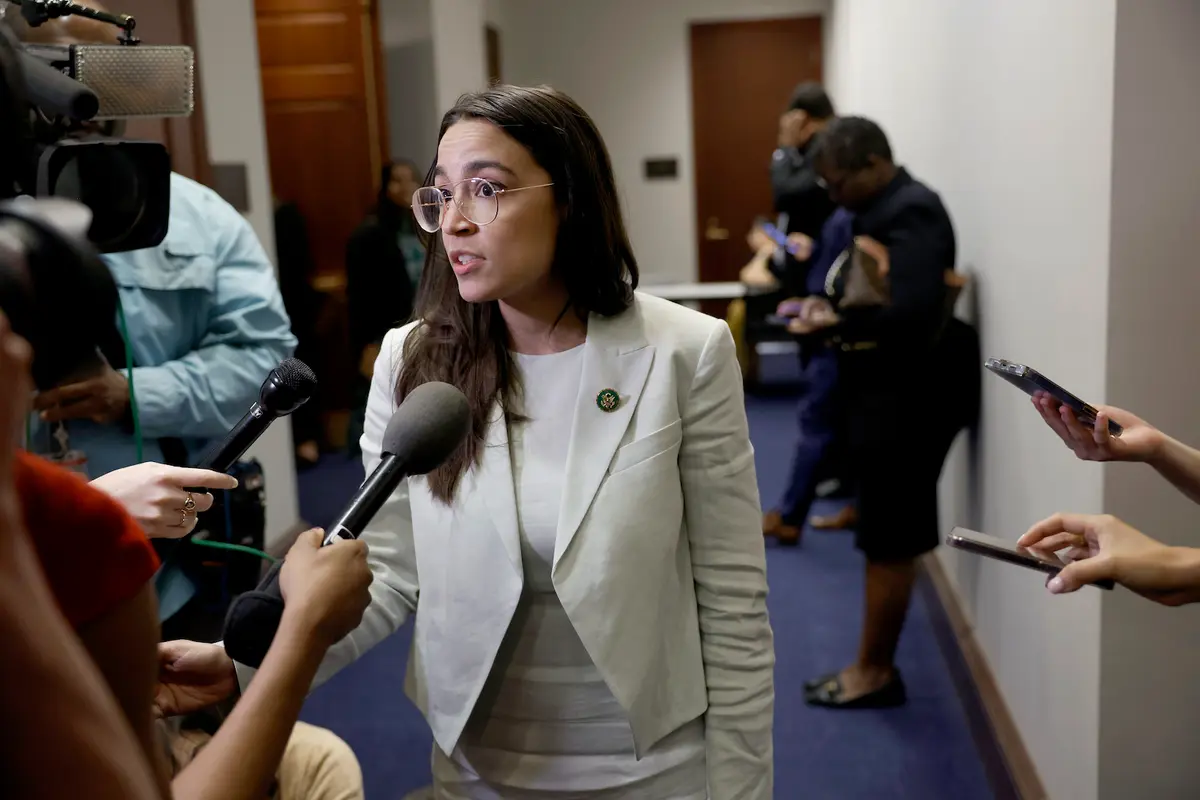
point(78, 96)
point(62, 199)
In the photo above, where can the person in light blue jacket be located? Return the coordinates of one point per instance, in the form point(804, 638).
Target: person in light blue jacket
point(201, 324)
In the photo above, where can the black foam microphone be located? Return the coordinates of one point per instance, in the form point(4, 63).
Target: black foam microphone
point(429, 425)
point(289, 386)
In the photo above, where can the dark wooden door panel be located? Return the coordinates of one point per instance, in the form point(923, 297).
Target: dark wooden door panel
point(321, 100)
point(742, 76)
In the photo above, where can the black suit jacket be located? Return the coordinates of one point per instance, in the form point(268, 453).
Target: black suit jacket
point(379, 293)
point(909, 219)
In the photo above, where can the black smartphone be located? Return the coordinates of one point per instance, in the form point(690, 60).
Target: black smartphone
point(990, 546)
point(1031, 382)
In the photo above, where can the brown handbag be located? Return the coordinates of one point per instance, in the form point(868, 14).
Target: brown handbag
point(856, 281)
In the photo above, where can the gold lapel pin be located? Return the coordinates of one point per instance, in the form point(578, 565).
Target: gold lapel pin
point(608, 400)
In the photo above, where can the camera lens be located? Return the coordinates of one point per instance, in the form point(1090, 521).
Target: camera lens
point(108, 181)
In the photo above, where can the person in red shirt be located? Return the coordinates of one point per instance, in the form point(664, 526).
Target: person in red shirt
point(102, 559)
point(70, 739)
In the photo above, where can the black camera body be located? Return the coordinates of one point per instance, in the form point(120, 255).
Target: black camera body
point(78, 95)
point(68, 189)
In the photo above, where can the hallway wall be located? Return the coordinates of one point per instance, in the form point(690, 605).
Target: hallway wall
point(228, 74)
point(1150, 655)
point(1020, 148)
point(1062, 136)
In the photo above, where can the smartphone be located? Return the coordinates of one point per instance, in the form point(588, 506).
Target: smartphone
point(1031, 382)
point(990, 546)
point(778, 236)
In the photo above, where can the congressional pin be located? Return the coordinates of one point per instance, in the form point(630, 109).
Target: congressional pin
point(608, 400)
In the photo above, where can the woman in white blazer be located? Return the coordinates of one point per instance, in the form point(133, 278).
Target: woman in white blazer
point(587, 573)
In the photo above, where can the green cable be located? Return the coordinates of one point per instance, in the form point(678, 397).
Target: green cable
point(240, 548)
point(133, 408)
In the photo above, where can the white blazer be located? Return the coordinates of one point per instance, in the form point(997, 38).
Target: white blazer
point(659, 560)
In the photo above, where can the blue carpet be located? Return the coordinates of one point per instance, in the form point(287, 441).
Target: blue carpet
point(922, 751)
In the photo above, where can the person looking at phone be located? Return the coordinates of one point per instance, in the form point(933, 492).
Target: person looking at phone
point(905, 226)
point(1101, 546)
point(801, 203)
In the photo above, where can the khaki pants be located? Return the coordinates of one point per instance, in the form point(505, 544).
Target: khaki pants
point(316, 764)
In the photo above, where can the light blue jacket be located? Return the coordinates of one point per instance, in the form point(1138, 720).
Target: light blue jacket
point(206, 324)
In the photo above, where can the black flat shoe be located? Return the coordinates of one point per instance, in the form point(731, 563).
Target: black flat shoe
point(817, 683)
point(830, 695)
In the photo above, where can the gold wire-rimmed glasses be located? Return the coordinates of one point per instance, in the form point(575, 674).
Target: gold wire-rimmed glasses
point(477, 199)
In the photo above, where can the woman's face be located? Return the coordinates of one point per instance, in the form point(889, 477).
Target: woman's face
point(402, 185)
point(508, 259)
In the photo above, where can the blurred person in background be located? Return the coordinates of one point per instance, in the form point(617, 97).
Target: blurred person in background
point(384, 259)
point(903, 224)
point(803, 209)
point(801, 204)
point(302, 303)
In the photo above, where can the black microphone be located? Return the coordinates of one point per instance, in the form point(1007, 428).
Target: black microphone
point(288, 387)
point(429, 425)
point(54, 92)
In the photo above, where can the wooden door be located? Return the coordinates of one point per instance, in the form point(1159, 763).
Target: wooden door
point(326, 130)
point(742, 76)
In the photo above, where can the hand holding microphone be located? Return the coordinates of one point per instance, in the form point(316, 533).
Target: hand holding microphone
point(428, 426)
point(325, 589)
point(155, 495)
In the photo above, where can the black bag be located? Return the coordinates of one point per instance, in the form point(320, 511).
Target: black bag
point(210, 559)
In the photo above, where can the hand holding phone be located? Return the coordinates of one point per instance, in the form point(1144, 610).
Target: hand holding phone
point(992, 547)
point(799, 245)
point(1139, 440)
point(1103, 548)
point(1035, 384)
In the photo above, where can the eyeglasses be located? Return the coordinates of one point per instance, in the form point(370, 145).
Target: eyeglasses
point(477, 199)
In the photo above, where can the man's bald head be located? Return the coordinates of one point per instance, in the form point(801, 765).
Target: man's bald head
point(64, 30)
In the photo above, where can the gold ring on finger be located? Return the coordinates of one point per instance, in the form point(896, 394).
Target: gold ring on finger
point(189, 504)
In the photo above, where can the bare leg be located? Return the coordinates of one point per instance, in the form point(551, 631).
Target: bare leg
point(888, 592)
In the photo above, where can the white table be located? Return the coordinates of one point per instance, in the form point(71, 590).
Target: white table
point(683, 292)
point(691, 294)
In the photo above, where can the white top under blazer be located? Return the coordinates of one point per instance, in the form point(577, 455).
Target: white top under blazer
point(658, 558)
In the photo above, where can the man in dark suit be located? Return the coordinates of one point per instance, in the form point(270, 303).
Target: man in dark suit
point(889, 365)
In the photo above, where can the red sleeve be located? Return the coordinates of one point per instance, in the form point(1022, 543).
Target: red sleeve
point(94, 554)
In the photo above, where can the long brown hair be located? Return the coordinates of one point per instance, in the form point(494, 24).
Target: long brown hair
point(466, 344)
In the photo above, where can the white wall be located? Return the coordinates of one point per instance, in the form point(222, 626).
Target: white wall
point(627, 62)
point(406, 32)
point(458, 49)
point(1006, 109)
point(228, 73)
point(1150, 656)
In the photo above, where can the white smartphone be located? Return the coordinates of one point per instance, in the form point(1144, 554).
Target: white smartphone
point(990, 546)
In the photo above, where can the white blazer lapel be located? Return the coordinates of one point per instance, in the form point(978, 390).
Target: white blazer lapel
point(494, 480)
point(616, 359)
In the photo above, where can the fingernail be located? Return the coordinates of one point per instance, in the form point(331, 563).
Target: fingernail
point(1056, 586)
